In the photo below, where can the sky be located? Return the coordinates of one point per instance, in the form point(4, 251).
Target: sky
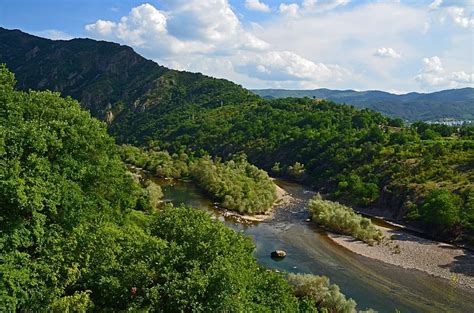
point(396, 46)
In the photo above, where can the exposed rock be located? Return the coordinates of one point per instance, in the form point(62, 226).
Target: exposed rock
point(109, 117)
point(278, 254)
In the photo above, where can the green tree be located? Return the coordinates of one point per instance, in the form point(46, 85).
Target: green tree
point(441, 209)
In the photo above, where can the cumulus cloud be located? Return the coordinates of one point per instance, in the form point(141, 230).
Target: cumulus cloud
point(310, 43)
point(387, 53)
point(207, 36)
point(286, 65)
point(460, 17)
point(433, 74)
point(256, 5)
point(310, 7)
point(101, 27)
point(459, 14)
point(189, 27)
point(432, 65)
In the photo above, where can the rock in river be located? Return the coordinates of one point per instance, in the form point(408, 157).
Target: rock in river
point(278, 254)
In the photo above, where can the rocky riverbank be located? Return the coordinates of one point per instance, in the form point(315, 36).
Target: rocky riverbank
point(412, 252)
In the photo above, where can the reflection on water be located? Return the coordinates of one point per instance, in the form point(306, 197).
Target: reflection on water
point(371, 283)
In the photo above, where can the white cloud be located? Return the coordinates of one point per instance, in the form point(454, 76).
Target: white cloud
point(286, 65)
point(53, 34)
point(322, 5)
point(387, 53)
point(189, 27)
point(459, 16)
point(101, 27)
point(458, 12)
point(435, 4)
point(256, 5)
point(309, 44)
point(291, 9)
point(207, 36)
point(310, 7)
point(432, 65)
point(141, 26)
point(433, 75)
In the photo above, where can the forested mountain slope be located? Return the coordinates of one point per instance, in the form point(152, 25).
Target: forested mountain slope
point(108, 79)
point(454, 103)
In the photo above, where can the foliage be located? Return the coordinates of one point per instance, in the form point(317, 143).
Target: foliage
point(236, 183)
point(159, 163)
point(441, 209)
point(59, 170)
point(72, 238)
point(342, 219)
point(325, 296)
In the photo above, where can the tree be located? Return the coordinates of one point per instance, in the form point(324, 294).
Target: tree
point(441, 209)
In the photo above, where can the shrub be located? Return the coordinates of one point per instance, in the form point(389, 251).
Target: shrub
point(237, 184)
point(342, 219)
point(325, 296)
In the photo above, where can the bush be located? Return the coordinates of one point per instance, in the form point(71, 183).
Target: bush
point(342, 219)
point(325, 296)
point(441, 209)
point(237, 184)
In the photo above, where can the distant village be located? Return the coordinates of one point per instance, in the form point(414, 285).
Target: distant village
point(451, 122)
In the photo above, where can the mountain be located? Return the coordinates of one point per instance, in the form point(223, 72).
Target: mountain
point(454, 103)
point(110, 80)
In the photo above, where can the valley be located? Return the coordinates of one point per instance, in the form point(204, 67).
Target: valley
point(81, 230)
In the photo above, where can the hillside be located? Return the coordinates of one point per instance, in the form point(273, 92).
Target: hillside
point(455, 103)
point(108, 79)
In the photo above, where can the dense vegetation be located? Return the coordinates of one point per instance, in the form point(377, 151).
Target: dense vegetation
point(236, 184)
point(158, 163)
point(343, 220)
point(317, 289)
point(79, 232)
point(239, 185)
point(454, 103)
point(357, 156)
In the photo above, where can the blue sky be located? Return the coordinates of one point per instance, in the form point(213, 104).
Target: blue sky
point(398, 46)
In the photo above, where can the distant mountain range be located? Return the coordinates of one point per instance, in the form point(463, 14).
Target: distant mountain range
point(454, 103)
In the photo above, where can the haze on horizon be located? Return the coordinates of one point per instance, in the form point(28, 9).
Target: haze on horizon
point(396, 46)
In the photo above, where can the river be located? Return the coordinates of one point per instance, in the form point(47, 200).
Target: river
point(370, 283)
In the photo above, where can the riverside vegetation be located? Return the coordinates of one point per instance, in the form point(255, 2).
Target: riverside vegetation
point(237, 184)
point(357, 156)
point(342, 219)
point(80, 233)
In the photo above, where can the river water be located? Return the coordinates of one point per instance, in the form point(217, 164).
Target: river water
point(383, 287)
